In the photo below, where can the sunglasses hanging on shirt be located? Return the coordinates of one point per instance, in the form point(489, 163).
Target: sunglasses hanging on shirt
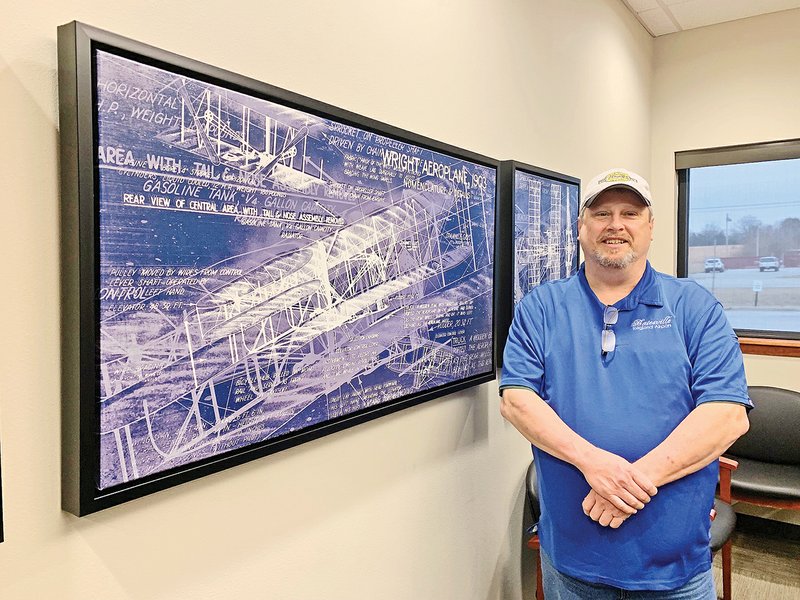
point(608, 340)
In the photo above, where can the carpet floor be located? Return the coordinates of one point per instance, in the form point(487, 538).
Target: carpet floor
point(766, 560)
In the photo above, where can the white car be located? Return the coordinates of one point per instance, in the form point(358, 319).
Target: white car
point(714, 264)
point(769, 263)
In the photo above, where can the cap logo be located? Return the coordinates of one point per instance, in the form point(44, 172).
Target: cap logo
point(616, 177)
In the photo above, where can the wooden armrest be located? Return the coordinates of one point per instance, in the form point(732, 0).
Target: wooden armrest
point(726, 467)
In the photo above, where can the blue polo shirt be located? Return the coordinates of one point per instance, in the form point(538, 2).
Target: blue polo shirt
point(675, 350)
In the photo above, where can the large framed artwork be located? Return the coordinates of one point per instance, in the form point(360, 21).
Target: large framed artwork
point(247, 269)
point(538, 230)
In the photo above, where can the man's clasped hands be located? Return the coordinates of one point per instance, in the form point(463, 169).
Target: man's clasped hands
point(619, 489)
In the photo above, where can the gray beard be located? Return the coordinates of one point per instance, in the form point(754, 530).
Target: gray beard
point(616, 263)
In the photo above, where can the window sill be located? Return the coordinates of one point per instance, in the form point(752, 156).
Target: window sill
point(770, 347)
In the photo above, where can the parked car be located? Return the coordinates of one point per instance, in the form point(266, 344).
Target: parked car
point(714, 264)
point(769, 263)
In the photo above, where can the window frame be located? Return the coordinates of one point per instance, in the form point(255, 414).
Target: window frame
point(752, 341)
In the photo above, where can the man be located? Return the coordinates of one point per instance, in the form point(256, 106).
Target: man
point(629, 384)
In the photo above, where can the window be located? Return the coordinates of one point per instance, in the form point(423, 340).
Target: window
point(739, 236)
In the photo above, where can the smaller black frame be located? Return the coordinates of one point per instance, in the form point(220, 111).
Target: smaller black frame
point(509, 230)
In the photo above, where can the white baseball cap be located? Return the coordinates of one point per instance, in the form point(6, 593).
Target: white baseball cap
point(616, 178)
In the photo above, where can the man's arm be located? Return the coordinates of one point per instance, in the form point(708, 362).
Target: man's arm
point(708, 430)
point(614, 478)
point(698, 440)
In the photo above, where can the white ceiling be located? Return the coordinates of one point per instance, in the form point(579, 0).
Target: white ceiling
point(660, 17)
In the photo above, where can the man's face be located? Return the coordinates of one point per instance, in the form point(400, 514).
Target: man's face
point(616, 230)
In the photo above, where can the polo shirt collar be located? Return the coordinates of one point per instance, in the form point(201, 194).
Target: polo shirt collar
point(647, 291)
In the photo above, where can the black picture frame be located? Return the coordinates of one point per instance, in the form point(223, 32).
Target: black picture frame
point(511, 235)
point(121, 373)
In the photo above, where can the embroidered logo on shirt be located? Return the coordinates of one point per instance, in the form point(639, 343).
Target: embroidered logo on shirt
point(641, 324)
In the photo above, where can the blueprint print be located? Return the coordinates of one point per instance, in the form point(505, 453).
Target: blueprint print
point(264, 270)
point(545, 231)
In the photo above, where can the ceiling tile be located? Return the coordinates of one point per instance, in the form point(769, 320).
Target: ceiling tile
point(688, 14)
point(640, 5)
point(657, 22)
point(699, 13)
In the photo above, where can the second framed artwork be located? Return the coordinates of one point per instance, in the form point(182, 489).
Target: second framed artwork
point(247, 269)
point(537, 230)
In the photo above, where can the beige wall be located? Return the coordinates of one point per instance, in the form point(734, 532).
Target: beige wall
point(422, 504)
point(733, 83)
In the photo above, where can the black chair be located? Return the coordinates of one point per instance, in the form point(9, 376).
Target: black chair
point(723, 522)
point(532, 493)
point(769, 453)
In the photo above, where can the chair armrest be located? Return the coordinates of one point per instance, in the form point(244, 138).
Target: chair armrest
point(726, 467)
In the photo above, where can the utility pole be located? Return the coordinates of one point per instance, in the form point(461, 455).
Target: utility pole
point(758, 238)
point(714, 271)
point(727, 220)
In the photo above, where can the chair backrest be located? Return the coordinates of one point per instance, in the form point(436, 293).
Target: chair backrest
point(774, 427)
point(532, 492)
